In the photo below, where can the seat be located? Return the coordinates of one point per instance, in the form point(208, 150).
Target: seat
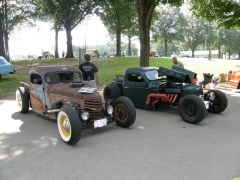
point(206, 80)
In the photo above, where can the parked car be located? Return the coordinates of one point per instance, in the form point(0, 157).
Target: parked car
point(154, 54)
point(5, 67)
point(57, 92)
point(93, 52)
point(150, 87)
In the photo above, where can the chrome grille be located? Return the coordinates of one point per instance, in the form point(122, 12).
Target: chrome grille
point(94, 108)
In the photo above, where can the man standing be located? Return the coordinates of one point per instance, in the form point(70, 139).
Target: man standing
point(176, 63)
point(88, 70)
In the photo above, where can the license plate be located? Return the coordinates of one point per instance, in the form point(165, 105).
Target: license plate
point(100, 123)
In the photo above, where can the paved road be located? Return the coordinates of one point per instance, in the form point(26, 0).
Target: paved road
point(158, 146)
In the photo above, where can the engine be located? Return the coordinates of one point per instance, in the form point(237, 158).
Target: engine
point(171, 88)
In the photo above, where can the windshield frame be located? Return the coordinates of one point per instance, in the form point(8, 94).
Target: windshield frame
point(152, 75)
point(64, 78)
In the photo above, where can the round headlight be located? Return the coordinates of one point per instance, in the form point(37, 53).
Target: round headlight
point(85, 116)
point(109, 109)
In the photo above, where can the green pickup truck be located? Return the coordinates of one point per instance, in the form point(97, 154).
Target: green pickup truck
point(151, 88)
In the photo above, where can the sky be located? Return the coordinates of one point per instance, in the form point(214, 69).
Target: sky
point(31, 41)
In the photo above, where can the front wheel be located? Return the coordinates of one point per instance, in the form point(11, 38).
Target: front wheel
point(220, 102)
point(192, 109)
point(69, 125)
point(22, 99)
point(124, 112)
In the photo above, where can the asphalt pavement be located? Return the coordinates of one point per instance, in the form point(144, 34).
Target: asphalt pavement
point(159, 145)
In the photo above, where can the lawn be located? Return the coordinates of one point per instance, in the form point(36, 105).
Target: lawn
point(108, 67)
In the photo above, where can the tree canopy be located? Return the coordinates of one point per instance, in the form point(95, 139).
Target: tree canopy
point(69, 13)
point(116, 15)
point(167, 25)
point(225, 12)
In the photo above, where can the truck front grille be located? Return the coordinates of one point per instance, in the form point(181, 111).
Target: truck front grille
point(94, 108)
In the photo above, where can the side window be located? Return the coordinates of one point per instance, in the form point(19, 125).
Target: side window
point(135, 78)
point(36, 79)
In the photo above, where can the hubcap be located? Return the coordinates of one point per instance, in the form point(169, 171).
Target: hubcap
point(121, 113)
point(19, 100)
point(190, 109)
point(65, 126)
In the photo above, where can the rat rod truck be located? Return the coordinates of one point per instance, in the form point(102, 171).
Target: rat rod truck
point(150, 87)
point(58, 92)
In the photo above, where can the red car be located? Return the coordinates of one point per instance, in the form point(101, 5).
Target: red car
point(154, 54)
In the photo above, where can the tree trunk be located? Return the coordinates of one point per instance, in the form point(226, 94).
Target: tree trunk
point(56, 43)
point(69, 42)
point(219, 52)
point(118, 46)
point(129, 46)
point(210, 53)
point(145, 13)
point(6, 40)
point(166, 48)
point(229, 53)
point(5, 30)
point(193, 53)
point(2, 47)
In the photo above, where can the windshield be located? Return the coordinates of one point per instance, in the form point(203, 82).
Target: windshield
point(152, 75)
point(63, 77)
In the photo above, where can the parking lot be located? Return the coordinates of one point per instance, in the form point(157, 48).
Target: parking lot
point(158, 146)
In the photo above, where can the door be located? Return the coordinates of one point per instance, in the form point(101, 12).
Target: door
point(136, 89)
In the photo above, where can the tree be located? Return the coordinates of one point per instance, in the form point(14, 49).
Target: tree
point(13, 14)
point(116, 15)
point(225, 12)
point(68, 13)
point(145, 9)
point(195, 33)
point(231, 41)
point(167, 26)
point(42, 13)
point(2, 47)
point(131, 33)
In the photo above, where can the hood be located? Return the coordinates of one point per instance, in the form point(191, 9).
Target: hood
point(64, 89)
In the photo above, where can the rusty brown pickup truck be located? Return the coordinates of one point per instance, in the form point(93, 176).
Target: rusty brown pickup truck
point(58, 92)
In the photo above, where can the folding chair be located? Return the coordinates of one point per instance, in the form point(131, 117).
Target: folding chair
point(206, 80)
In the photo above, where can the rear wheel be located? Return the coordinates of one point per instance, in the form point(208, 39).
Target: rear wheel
point(192, 109)
point(111, 92)
point(220, 102)
point(69, 125)
point(124, 112)
point(22, 99)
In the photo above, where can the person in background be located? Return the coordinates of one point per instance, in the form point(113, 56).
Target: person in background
point(89, 70)
point(176, 63)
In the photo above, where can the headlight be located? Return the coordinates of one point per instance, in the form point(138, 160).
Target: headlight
point(109, 109)
point(85, 116)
